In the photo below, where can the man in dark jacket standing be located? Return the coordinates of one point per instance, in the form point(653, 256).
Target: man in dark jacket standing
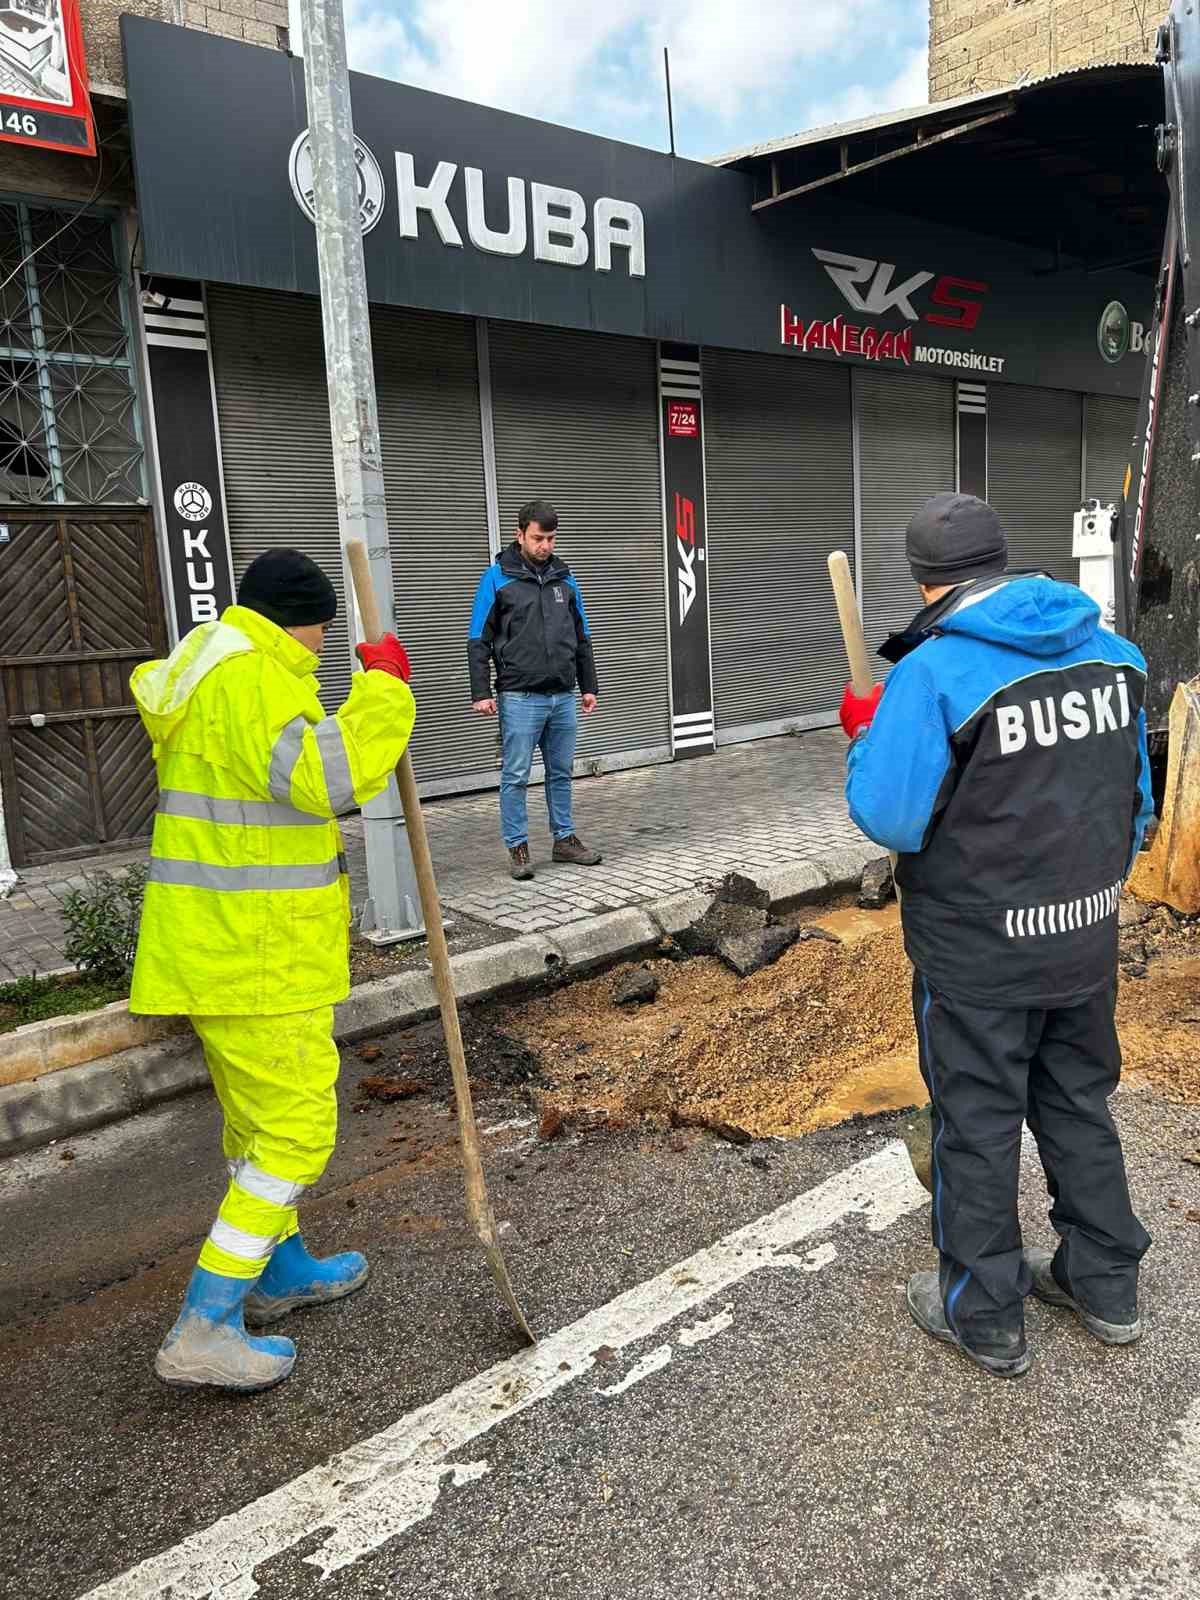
point(1006, 762)
point(529, 620)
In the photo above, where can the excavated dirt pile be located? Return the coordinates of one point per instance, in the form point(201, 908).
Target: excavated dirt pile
point(824, 1034)
point(821, 1035)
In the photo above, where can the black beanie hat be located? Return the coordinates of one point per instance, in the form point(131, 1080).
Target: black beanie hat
point(954, 538)
point(287, 588)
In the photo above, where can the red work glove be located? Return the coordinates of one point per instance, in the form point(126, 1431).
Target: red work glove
point(857, 710)
point(385, 655)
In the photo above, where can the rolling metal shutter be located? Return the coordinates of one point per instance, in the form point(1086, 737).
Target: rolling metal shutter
point(576, 423)
point(1108, 424)
point(273, 407)
point(1035, 442)
point(780, 498)
point(904, 429)
point(427, 383)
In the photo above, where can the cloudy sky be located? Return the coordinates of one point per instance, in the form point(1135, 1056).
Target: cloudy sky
point(742, 70)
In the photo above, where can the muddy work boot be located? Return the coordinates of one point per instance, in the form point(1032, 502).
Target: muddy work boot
point(573, 851)
point(209, 1345)
point(925, 1304)
point(293, 1280)
point(1046, 1287)
point(518, 863)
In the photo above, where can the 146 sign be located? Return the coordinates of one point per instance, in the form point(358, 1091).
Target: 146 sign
point(45, 98)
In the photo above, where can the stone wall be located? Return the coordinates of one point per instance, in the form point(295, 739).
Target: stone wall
point(256, 21)
point(986, 44)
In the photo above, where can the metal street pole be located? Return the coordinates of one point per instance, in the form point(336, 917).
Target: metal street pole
point(393, 907)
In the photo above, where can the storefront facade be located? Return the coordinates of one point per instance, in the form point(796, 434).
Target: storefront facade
point(713, 399)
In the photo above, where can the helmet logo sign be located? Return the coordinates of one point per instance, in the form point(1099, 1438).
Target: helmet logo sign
point(371, 192)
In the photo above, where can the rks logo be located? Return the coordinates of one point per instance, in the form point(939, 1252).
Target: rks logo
point(685, 539)
point(870, 286)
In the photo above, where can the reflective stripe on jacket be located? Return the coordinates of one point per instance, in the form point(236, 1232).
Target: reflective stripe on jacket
point(248, 905)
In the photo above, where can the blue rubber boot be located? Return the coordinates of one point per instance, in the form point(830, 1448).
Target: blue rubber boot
point(293, 1279)
point(209, 1344)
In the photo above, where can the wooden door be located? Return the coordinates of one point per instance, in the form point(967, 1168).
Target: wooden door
point(80, 606)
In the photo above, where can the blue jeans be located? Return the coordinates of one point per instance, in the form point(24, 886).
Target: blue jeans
point(528, 721)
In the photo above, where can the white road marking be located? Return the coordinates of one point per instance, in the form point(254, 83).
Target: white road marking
point(1155, 1537)
point(707, 1330)
point(388, 1508)
point(660, 1357)
point(374, 1490)
point(812, 1262)
point(654, 1362)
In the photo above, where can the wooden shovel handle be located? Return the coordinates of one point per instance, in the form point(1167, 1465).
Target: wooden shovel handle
point(479, 1208)
point(861, 676)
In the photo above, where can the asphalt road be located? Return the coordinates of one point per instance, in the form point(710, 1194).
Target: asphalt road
point(703, 1418)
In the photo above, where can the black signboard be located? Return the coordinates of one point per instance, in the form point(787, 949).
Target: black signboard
point(480, 212)
point(682, 422)
point(197, 541)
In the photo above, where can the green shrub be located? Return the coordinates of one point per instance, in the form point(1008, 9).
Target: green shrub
point(34, 999)
point(102, 923)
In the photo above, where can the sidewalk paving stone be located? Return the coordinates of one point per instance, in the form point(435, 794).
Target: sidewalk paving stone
point(751, 807)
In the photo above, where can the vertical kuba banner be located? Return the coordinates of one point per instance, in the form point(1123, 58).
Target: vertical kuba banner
point(682, 423)
point(44, 97)
point(185, 426)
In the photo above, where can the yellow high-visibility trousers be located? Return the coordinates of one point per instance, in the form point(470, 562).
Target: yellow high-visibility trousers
point(276, 1080)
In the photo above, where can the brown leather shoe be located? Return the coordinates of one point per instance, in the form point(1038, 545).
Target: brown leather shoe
point(573, 850)
point(518, 863)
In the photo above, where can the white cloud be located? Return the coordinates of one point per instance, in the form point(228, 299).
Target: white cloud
point(909, 87)
point(725, 52)
point(530, 56)
point(740, 69)
point(561, 59)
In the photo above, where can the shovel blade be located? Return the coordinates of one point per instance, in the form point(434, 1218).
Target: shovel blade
point(483, 1226)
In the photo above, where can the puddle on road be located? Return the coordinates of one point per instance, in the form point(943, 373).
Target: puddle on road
point(893, 1084)
point(853, 926)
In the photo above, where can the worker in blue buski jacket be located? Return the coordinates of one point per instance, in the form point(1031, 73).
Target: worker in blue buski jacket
point(1006, 763)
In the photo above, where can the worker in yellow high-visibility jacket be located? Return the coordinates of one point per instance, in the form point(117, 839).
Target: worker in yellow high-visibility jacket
point(245, 928)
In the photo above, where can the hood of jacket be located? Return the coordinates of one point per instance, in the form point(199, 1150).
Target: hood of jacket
point(1029, 611)
point(162, 689)
point(514, 565)
point(1036, 615)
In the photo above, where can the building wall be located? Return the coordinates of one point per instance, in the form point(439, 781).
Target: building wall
point(256, 21)
point(986, 44)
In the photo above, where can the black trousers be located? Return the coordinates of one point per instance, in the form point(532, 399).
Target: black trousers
point(987, 1071)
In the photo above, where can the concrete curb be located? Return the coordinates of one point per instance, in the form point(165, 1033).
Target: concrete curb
point(77, 1098)
point(40, 1047)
